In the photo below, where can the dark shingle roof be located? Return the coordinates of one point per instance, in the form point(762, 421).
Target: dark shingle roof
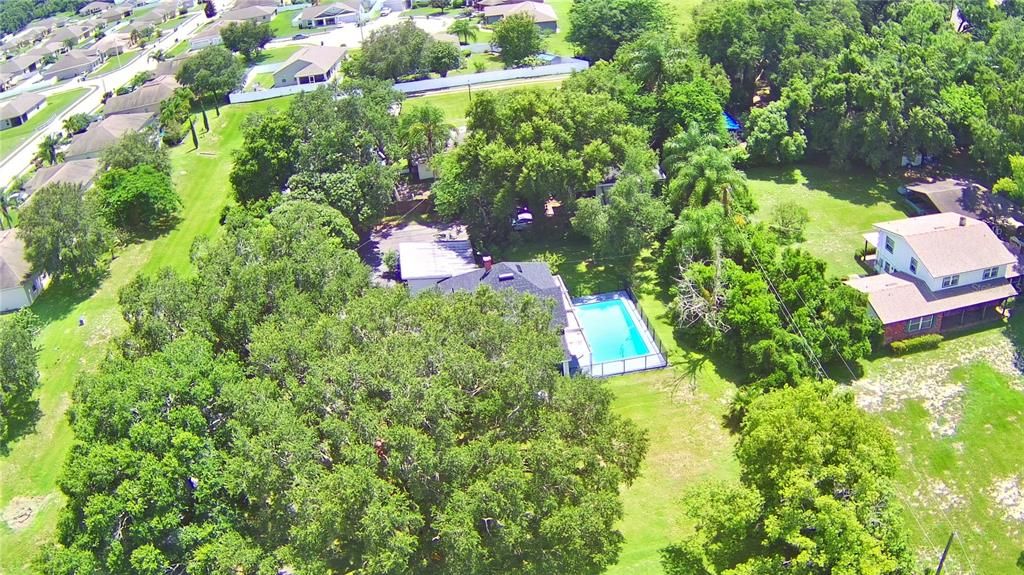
point(525, 277)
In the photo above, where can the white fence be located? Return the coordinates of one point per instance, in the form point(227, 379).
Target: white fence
point(240, 97)
point(567, 66)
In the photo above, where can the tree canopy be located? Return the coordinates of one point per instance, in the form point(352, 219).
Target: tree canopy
point(599, 27)
point(393, 51)
point(63, 231)
point(247, 38)
point(328, 149)
point(212, 73)
point(19, 375)
point(272, 411)
point(136, 149)
point(136, 199)
point(815, 495)
point(518, 38)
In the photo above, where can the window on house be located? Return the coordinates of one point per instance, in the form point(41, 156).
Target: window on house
point(913, 266)
point(950, 281)
point(990, 273)
point(920, 323)
point(889, 244)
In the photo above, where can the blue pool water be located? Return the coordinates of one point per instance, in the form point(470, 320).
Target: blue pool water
point(611, 331)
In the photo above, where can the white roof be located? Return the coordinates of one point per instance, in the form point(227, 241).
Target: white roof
point(949, 243)
point(430, 260)
point(538, 11)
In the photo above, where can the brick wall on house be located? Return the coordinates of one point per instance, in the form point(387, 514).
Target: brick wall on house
point(897, 331)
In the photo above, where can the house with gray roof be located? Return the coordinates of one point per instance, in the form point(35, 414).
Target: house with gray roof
point(19, 109)
point(534, 278)
point(94, 7)
point(258, 14)
point(110, 45)
point(543, 15)
point(77, 172)
point(21, 65)
point(74, 63)
point(19, 285)
point(329, 14)
point(208, 36)
point(103, 134)
point(310, 65)
point(936, 273)
point(424, 264)
point(144, 99)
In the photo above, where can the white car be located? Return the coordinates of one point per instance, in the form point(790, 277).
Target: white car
point(385, 11)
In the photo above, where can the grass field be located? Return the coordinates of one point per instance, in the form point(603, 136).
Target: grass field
point(114, 63)
point(276, 55)
point(490, 62)
point(12, 138)
point(34, 461)
point(178, 49)
point(454, 104)
point(172, 23)
point(282, 25)
point(841, 205)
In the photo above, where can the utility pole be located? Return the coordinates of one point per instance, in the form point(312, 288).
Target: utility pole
point(938, 571)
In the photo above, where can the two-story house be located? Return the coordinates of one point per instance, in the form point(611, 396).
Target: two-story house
point(936, 273)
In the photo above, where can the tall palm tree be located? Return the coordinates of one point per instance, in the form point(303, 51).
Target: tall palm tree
point(707, 175)
point(157, 55)
point(464, 29)
point(424, 132)
point(48, 149)
point(8, 200)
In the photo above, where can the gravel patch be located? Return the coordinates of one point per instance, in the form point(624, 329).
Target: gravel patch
point(1009, 494)
point(22, 510)
point(914, 379)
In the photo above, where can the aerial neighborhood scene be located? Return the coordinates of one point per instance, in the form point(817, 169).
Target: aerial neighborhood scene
point(680, 287)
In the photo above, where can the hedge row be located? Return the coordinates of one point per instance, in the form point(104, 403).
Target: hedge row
point(903, 347)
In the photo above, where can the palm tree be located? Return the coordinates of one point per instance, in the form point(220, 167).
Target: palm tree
point(706, 175)
point(424, 133)
point(48, 149)
point(8, 200)
point(464, 29)
point(157, 55)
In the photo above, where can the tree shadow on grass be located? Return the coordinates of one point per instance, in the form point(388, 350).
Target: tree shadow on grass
point(160, 228)
point(857, 186)
point(21, 420)
point(65, 294)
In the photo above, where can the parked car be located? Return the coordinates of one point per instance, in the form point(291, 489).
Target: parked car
point(299, 37)
point(385, 11)
point(522, 221)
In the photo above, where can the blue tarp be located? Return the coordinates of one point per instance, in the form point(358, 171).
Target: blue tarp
point(730, 123)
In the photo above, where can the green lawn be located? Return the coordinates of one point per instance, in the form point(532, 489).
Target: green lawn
point(12, 138)
point(276, 55)
point(454, 104)
point(178, 49)
point(490, 62)
point(949, 482)
point(556, 43)
point(282, 25)
point(422, 11)
point(842, 206)
point(681, 407)
point(114, 63)
point(172, 23)
point(66, 350)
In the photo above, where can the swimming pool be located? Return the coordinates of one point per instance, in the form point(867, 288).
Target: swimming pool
point(611, 331)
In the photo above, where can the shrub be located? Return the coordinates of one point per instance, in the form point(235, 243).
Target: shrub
point(903, 347)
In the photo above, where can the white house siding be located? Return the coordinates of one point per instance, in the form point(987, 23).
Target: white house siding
point(899, 260)
point(13, 299)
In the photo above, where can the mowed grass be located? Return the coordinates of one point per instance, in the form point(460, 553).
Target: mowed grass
point(455, 103)
point(681, 407)
point(11, 138)
point(172, 23)
point(178, 49)
point(282, 25)
point(276, 55)
point(842, 205)
point(114, 63)
point(33, 463)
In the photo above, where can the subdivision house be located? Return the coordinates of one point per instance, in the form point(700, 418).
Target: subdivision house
point(208, 36)
point(144, 99)
point(19, 109)
point(47, 49)
point(481, 4)
point(74, 63)
point(94, 7)
point(19, 286)
point(257, 14)
point(246, 3)
point(21, 65)
point(115, 13)
point(543, 15)
point(936, 273)
point(109, 46)
point(329, 15)
point(309, 65)
point(103, 134)
point(68, 33)
point(77, 172)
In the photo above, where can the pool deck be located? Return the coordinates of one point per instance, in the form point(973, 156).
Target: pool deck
point(576, 339)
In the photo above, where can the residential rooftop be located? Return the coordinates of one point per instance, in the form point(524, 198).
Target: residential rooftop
point(949, 243)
